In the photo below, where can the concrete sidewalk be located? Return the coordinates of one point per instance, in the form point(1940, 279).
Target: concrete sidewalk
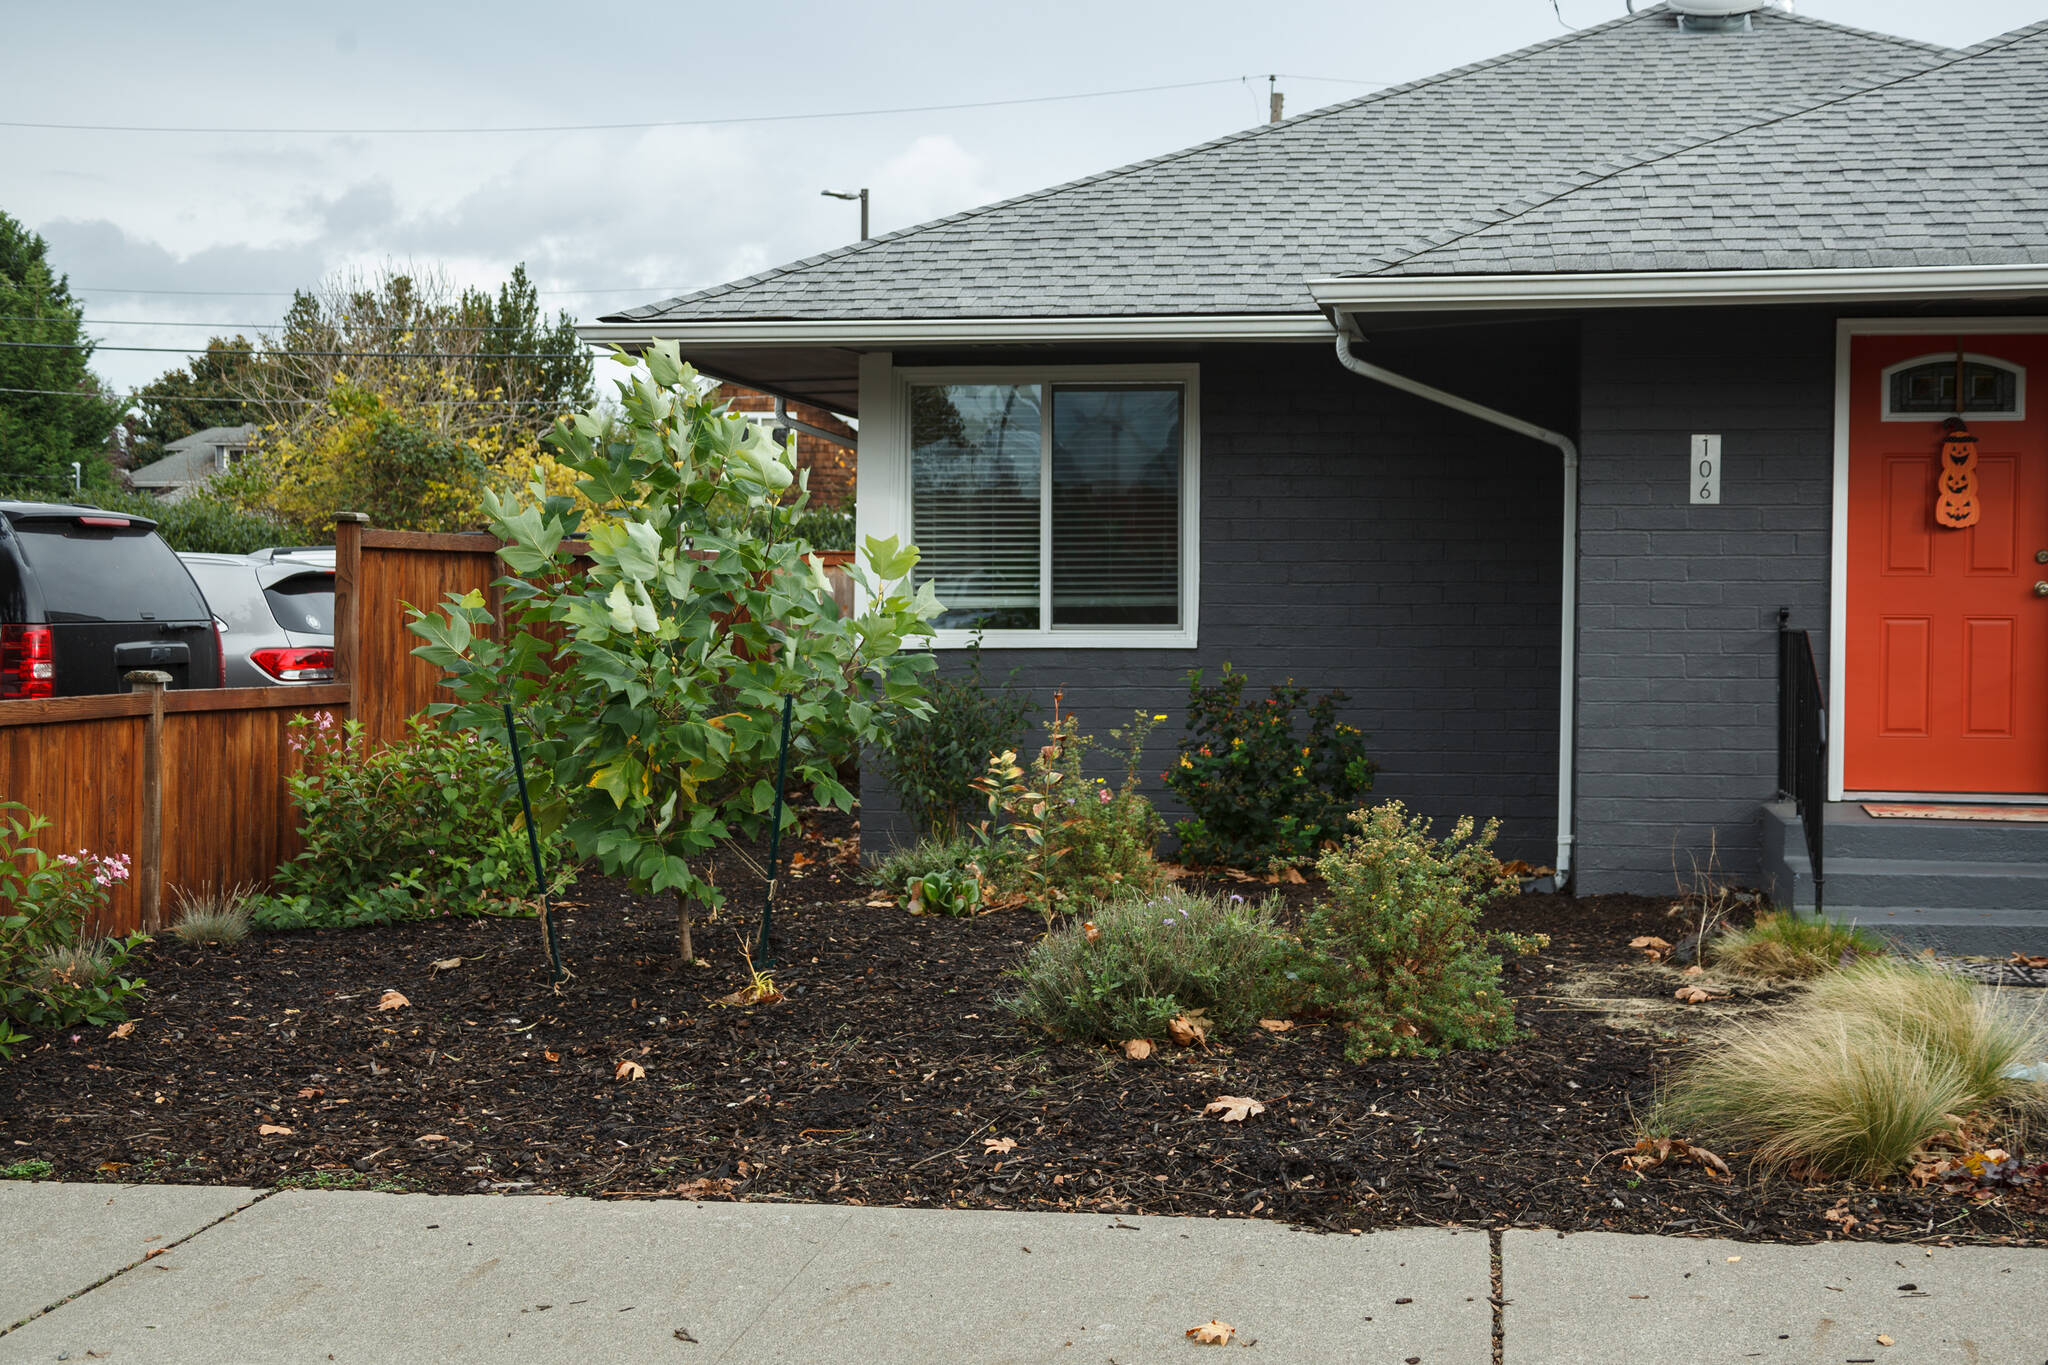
point(175, 1274)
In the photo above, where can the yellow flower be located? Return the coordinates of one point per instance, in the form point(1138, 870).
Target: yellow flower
point(1159, 717)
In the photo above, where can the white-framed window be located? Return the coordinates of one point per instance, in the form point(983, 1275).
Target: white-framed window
point(1928, 388)
point(1053, 505)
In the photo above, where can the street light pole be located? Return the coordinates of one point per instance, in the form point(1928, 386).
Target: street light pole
point(861, 195)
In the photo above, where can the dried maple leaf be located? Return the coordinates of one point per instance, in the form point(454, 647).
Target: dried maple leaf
point(2028, 960)
point(312, 1092)
point(1233, 1108)
point(628, 1071)
point(1138, 1049)
point(1212, 1333)
point(1404, 1029)
point(1089, 931)
point(272, 1130)
point(392, 1000)
point(1189, 1028)
point(1292, 876)
point(123, 1030)
point(1694, 970)
point(999, 1146)
point(1652, 947)
point(1276, 1025)
point(1691, 995)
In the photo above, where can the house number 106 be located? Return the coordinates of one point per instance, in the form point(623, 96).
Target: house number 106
point(1703, 470)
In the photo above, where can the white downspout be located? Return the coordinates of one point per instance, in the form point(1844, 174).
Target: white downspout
point(1567, 628)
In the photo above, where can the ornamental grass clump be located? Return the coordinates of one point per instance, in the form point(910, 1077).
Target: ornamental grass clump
point(213, 916)
point(1393, 948)
point(1783, 946)
point(1144, 961)
point(1861, 1072)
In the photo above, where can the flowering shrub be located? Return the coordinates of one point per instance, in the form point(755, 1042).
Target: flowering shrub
point(1394, 949)
point(54, 972)
point(1260, 792)
point(425, 826)
point(1074, 840)
point(1144, 960)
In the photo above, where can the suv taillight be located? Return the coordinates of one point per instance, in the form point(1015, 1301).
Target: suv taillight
point(295, 665)
point(28, 668)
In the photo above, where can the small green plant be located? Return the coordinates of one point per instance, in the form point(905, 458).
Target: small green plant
point(54, 972)
point(421, 827)
point(933, 764)
point(27, 1169)
point(1262, 791)
point(1861, 1072)
point(946, 877)
point(213, 916)
point(1144, 960)
point(1394, 949)
point(1076, 841)
point(1782, 945)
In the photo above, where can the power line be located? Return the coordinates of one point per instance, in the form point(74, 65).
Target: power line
point(313, 355)
point(230, 326)
point(293, 293)
point(132, 398)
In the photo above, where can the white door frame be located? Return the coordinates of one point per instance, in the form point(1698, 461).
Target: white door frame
point(1838, 586)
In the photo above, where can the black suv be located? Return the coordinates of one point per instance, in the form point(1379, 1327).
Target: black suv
point(86, 595)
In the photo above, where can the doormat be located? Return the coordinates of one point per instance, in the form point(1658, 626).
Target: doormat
point(2031, 815)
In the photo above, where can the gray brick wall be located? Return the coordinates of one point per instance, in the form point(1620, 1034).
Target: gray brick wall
point(1356, 538)
point(1677, 714)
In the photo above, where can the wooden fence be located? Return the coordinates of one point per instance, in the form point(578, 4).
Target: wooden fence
point(192, 784)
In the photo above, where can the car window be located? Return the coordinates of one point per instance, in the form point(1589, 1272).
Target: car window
point(104, 573)
point(233, 593)
point(304, 602)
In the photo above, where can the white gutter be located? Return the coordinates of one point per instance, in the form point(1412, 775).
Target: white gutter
point(1568, 608)
point(1654, 288)
point(887, 333)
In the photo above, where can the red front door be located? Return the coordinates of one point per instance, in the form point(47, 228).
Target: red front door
point(1946, 689)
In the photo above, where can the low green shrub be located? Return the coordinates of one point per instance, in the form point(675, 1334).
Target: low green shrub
point(54, 972)
point(825, 528)
point(1393, 947)
point(1262, 791)
point(213, 916)
point(1144, 960)
point(932, 763)
point(1076, 841)
point(422, 827)
point(1861, 1072)
point(1785, 946)
point(945, 877)
point(199, 521)
point(29, 1168)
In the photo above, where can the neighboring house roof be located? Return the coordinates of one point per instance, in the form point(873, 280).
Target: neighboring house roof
point(1482, 167)
point(191, 459)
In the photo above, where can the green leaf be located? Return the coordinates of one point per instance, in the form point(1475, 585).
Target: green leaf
point(890, 559)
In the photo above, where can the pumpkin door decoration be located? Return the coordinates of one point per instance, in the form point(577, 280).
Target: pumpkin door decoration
point(1956, 504)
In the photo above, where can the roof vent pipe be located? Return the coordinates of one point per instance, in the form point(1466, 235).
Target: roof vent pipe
point(1715, 16)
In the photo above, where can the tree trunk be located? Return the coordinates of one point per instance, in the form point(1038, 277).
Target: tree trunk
point(683, 944)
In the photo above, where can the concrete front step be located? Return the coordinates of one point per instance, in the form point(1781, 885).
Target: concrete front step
point(1926, 873)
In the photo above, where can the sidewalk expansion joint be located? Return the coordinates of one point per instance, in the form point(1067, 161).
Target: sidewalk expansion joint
point(1499, 1299)
point(148, 1256)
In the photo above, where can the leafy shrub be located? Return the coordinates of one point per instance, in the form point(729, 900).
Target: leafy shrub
point(932, 764)
point(1075, 841)
point(418, 828)
point(1783, 946)
point(1861, 1072)
point(31, 1168)
point(200, 521)
point(1260, 792)
point(823, 528)
point(1393, 948)
point(943, 877)
point(54, 973)
point(1144, 960)
point(213, 916)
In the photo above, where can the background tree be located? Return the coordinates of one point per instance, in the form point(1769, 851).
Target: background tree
point(71, 417)
point(210, 390)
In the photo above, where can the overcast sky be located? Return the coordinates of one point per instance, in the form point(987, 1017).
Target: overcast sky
point(605, 220)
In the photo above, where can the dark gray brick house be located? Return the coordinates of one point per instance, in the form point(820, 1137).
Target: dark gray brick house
point(1549, 407)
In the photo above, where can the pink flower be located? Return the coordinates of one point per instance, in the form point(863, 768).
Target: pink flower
point(1106, 797)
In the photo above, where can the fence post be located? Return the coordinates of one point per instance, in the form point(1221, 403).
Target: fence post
point(149, 858)
point(348, 600)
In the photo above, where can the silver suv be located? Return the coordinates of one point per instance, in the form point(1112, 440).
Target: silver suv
point(276, 610)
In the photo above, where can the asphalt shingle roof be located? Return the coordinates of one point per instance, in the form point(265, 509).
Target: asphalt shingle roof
point(1481, 165)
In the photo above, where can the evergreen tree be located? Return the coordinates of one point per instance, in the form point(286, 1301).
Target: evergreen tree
point(211, 390)
point(68, 416)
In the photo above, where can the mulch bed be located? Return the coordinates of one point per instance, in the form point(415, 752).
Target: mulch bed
point(889, 1075)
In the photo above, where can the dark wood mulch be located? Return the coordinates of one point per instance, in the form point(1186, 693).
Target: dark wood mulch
point(889, 1076)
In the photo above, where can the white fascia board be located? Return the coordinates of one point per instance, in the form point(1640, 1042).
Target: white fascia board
point(888, 333)
point(1663, 288)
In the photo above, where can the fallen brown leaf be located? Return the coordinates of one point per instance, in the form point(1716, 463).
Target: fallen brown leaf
point(1694, 970)
point(1882, 1339)
point(1292, 876)
point(1276, 1025)
point(2028, 960)
point(1189, 1028)
point(1138, 1049)
point(703, 1188)
point(433, 1137)
point(312, 1092)
point(1404, 1029)
point(628, 1071)
point(272, 1130)
point(123, 1030)
point(551, 1056)
point(446, 964)
point(1233, 1108)
point(1089, 931)
point(1212, 1333)
point(1691, 995)
point(392, 1000)
point(1652, 947)
point(882, 903)
point(999, 1146)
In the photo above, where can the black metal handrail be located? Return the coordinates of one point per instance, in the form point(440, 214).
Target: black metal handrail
point(1803, 740)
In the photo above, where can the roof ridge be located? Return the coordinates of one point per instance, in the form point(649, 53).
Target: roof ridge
point(1955, 58)
point(1165, 158)
point(1896, 38)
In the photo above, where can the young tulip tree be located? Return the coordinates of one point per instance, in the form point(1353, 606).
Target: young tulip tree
point(652, 673)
